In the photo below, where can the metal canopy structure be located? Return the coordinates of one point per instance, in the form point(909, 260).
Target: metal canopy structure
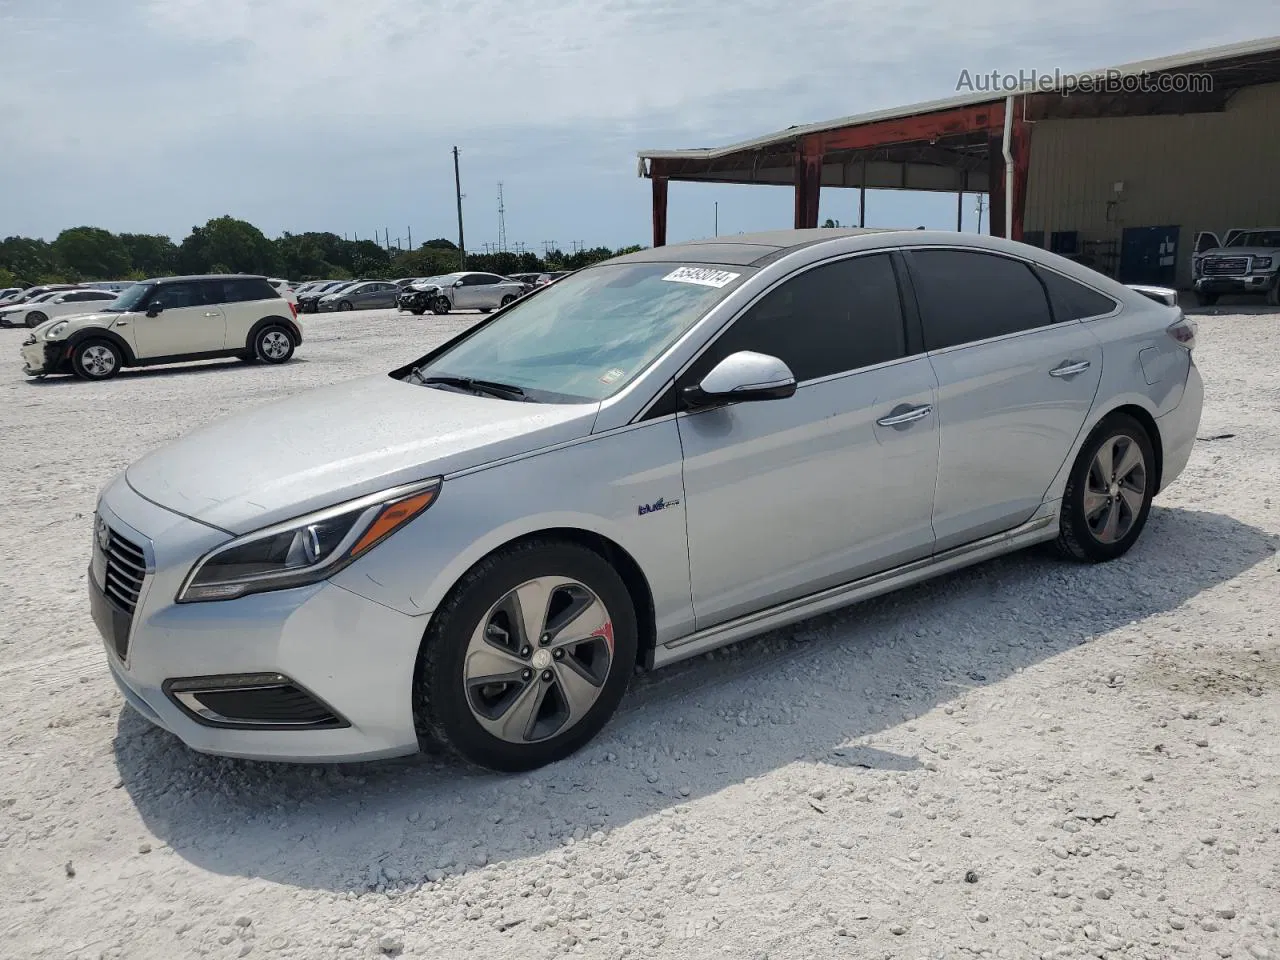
point(957, 145)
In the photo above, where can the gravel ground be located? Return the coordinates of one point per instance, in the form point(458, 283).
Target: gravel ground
point(1026, 759)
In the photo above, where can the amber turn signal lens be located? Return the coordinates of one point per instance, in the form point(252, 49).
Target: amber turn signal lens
point(392, 518)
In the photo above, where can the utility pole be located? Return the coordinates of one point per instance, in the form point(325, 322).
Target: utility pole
point(457, 186)
point(982, 203)
point(717, 218)
point(502, 222)
point(410, 239)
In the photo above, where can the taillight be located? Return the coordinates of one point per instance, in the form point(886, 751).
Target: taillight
point(293, 307)
point(1184, 331)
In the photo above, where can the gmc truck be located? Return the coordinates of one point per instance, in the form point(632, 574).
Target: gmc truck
point(1249, 262)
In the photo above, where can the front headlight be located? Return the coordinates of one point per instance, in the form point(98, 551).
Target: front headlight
point(57, 330)
point(1263, 263)
point(306, 550)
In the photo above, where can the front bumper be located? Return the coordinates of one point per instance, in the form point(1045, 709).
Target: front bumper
point(1252, 283)
point(41, 356)
point(351, 654)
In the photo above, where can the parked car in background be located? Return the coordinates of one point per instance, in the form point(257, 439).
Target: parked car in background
point(308, 302)
point(167, 320)
point(7, 292)
point(421, 296)
point(284, 288)
point(30, 293)
point(469, 290)
point(552, 277)
point(714, 458)
point(1248, 262)
point(60, 303)
point(115, 286)
point(364, 295)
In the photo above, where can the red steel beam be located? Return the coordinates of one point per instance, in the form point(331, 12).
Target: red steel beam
point(1020, 147)
point(927, 126)
point(808, 160)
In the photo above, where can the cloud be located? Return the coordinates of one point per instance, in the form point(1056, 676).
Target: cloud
point(286, 111)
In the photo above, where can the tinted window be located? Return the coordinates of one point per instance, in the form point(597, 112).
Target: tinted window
point(833, 318)
point(966, 296)
point(1074, 301)
point(175, 295)
point(86, 295)
point(241, 290)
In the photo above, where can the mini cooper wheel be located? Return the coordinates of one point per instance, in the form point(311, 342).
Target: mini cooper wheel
point(95, 360)
point(527, 658)
point(440, 305)
point(1109, 492)
point(273, 344)
point(35, 318)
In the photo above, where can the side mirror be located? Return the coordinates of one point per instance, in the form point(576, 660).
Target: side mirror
point(739, 377)
point(154, 309)
point(457, 283)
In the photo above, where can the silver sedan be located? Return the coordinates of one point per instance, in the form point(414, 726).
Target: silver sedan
point(651, 458)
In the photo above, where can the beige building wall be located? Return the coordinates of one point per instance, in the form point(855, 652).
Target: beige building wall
point(1204, 171)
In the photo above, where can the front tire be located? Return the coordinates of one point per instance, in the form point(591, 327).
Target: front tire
point(96, 360)
point(509, 298)
point(273, 344)
point(417, 311)
point(1109, 492)
point(1273, 294)
point(345, 305)
point(440, 306)
point(35, 318)
point(1206, 299)
point(527, 658)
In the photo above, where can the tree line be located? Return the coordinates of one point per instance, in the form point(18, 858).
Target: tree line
point(228, 245)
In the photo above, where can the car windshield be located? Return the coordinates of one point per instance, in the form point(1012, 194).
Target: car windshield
point(587, 337)
point(131, 299)
point(1256, 238)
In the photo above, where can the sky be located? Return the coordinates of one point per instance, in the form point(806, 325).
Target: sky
point(153, 116)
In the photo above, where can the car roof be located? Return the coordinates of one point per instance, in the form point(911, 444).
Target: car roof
point(746, 249)
point(206, 276)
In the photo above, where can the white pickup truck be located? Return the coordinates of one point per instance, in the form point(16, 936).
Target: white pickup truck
point(1246, 260)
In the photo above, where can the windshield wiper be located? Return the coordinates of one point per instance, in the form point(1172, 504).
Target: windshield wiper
point(504, 391)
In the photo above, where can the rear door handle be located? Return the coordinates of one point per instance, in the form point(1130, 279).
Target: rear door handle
point(1070, 369)
point(906, 416)
point(216, 314)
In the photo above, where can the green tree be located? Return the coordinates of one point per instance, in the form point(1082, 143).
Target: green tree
point(226, 242)
point(150, 255)
point(30, 260)
point(91, 253)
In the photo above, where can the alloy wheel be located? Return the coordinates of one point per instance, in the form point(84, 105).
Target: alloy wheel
point(98, 361)
point(1115, 489)
point(539, 660)
point(275, 344)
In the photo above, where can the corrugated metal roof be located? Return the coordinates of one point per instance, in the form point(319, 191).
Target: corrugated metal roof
point(1177, 61)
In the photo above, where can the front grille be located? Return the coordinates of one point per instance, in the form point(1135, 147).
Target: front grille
point(126, 569)
point(1225, 266)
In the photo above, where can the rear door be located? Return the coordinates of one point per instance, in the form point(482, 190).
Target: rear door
point(786, 497)
point(188, 323)
point(244, 301)
point(1014, 387)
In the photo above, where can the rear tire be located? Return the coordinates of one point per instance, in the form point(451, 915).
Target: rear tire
point(473, 692)
point(1206, 299)
point(273, 344)
point(35, 318)
point(96, 359)
point(1109, 492)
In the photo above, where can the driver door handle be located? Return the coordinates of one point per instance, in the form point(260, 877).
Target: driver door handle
point(213, 313)
point(907, 416)
point(1070, 369)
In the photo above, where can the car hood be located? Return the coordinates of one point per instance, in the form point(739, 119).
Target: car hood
point(78, 321)
point(1242, 252)
point(323, 447)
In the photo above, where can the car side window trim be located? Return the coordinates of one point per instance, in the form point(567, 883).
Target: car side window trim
point(672, 385)
point(1030, 265)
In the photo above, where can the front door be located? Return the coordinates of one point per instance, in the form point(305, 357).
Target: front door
point(187, 323)
point(787, 497)
point(1014, 387)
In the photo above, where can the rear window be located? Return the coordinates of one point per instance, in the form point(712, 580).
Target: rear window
point(242, 289)
point(1073, 301)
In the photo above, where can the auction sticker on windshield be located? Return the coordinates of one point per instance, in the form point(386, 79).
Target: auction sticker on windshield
point(702, 276)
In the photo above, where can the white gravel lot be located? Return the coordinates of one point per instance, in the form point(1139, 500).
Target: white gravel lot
point(1027, 759)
